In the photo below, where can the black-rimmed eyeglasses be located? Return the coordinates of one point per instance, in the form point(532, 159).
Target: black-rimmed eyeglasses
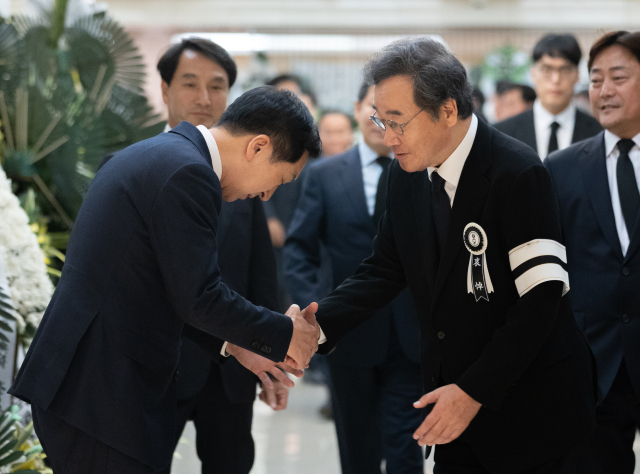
point(396, 127)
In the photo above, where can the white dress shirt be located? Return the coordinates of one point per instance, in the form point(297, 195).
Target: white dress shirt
point(371, 172)
point(451, 169)
point(612, 154)
point(542, 120)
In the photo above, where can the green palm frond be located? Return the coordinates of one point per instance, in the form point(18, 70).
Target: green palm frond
point(67, 106)
point(98, 38)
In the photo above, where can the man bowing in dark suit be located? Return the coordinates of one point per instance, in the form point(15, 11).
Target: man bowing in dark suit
point(142, 269)
point(555, 122)
point(471, 226)
point(375, 373)
point(196, 77)
point(598, 187)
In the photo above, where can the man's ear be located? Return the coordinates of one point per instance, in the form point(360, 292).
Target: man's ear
point(259, 146)
point(449, 111)
point(165, 92)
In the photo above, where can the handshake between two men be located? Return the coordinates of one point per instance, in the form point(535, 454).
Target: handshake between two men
point(304, 343)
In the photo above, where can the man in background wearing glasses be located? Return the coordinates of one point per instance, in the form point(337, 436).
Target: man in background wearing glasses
point(555, 122)
point(472, 227)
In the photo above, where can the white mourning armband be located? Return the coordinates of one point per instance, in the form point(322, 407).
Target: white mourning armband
point(538, 261)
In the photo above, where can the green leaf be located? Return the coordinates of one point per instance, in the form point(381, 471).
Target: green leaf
point(7, 448)
point(11, 458)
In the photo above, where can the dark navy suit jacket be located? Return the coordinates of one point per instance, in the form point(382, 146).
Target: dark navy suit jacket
point(332, 210)
point(141, 268)
point(522, 127)
point(605, 285)
point(522, 357)
point(247, 265)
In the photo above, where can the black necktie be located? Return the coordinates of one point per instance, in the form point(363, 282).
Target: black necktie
point(553, 138)
point(381, 192)
point(440, 207)
point(627, 185)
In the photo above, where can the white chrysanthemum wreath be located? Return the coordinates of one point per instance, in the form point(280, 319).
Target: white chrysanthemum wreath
point(26, 270)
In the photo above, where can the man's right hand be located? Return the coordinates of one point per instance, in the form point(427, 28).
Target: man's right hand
point(304, 341)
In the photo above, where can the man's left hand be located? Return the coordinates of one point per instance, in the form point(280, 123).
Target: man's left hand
point(452, 413)
point(260, 366)
point(275, 397)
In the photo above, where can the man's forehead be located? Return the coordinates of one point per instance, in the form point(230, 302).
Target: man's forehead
point(393, 96)
point(614, 58)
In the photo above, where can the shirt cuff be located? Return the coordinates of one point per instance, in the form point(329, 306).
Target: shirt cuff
point(321, 340)
point(223, 351)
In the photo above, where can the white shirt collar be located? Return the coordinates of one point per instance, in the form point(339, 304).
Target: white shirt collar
point(216, 161)
point(451, 169)
point(544, 118)
point(367, 155)
point(611, 140)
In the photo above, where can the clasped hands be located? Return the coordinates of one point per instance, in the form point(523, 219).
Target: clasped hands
point(304, 343)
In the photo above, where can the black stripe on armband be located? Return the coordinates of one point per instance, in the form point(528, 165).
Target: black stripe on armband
point(534, 262)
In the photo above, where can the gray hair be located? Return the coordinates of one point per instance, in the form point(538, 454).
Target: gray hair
point(437, 75)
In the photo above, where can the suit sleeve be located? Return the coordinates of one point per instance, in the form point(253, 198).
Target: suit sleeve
point(376, 282)
point(532, 231)
point(302, 249)
point(182, 228)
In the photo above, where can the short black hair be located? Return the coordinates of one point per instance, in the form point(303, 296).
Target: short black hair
point(558, 46)
point(285, 78)
point(168, 63)
point(364, 90)
point(335, 112)
point(437, 74)
point(280, 115)
point(629, 41)
point(527, 92)
point(303, 84)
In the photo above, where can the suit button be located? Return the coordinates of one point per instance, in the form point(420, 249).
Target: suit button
point(176, 376)
point(625, 318)
point(256, 345)
point(433, 380)
point(441, 335)
point(625, 271)
point(266, 349)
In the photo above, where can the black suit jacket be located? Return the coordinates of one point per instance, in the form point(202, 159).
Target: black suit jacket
point(248, 266)
point(142, 262)
point(521, 127)
point(332, 210)
point(522, 357)
point(605, 285)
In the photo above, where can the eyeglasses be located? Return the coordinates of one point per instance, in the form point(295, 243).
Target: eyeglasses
point(563, 71)
point(396, 127)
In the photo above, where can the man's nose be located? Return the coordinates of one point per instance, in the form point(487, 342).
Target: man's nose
point(391, 138)
point(607, 89)
point(203, 96)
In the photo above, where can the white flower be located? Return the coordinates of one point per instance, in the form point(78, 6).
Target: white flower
point(29, 283)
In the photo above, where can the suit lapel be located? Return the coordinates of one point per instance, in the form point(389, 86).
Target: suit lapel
point(594, 171)
point(353, 186)
point(421, 193)
point(469, 201)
